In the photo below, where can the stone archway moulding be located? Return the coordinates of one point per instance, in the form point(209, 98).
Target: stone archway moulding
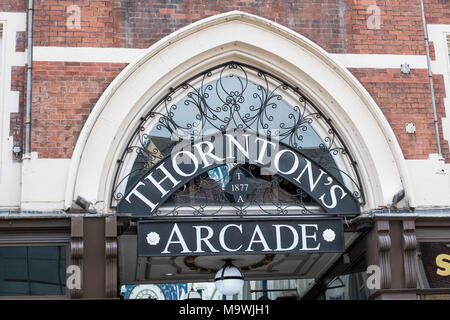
point(240, 37)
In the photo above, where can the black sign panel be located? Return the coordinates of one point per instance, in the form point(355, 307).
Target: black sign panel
point(225, 237)
point(189, 161)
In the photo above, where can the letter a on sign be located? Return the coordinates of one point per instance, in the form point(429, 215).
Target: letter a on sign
point(374, 279)
point(176, 231)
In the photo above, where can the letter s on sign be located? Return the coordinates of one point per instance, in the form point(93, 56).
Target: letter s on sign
point(443, 262)
point(333, 197)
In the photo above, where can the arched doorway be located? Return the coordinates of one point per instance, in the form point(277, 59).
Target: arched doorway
point(234, 147)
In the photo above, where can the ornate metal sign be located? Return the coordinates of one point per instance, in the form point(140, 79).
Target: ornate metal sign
point(191, 160)
point(213, 237)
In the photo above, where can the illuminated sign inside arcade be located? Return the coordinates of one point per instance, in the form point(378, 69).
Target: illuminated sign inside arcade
point(191, 160)
point(435, 258)
point(213, 237)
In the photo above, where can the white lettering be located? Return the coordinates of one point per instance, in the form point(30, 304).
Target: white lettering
point(263, 151)
point(374, 20)
point(198, 231)
point(373, 281)
point(261, 240)
point(232, 141)
point(73, 21)
point(312, 183)
point(180, 241)
point(177, 168)
point(141, 196)
point(158, 183)
point(278, 236)
point(333, 197)
point(305, 236)
point(277, 162)
point(208, 152)
point(222, 237)
point(73, 281)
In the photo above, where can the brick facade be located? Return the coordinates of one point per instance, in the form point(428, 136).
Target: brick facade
point(339, 26)
point(139, 24)
point(64, 93)
point(13, 5)
point(407, 98)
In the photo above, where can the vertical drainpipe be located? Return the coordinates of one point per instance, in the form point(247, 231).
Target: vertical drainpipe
point(29, 80)
point(430, 77)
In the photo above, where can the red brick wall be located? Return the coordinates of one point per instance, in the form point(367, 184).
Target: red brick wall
point(407, 98)
point(399, 32)
point(437, 11)
point(18, 83)
point(338, 26)
point(64, 94)
point(401, 28)
point(13, 5)
point(140, 23)
point(21, 41)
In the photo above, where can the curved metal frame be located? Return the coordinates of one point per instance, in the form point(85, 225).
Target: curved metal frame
point(291, 133)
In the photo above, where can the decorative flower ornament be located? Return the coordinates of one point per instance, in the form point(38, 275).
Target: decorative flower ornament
point(153, 238)
point(329, 235)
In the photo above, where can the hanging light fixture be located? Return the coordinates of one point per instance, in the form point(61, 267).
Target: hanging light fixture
point(229, 280)
point(193, 295)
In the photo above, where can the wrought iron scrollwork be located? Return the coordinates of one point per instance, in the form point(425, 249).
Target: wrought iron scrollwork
point(234, 95)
